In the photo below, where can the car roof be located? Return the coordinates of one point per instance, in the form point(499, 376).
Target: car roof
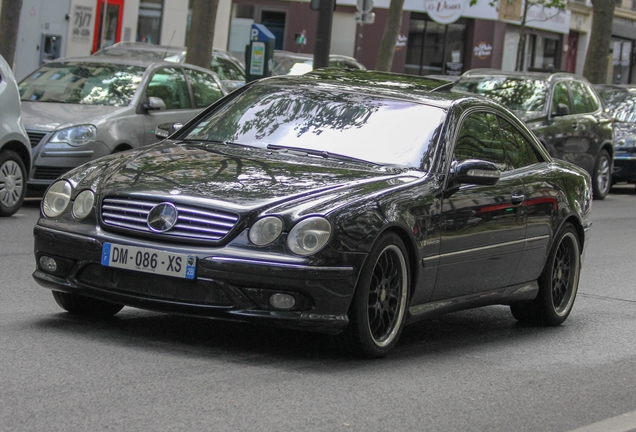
point(412, 88)
point(532, 74)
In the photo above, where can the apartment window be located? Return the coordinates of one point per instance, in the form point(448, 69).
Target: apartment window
point(149, 23)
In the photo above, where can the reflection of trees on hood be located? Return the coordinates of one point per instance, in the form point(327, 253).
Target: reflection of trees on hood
point(262, 111)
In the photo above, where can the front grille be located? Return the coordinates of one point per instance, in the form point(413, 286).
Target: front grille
point(193, 223)
point(154, 286)
point(35, 137)
point(49, 173)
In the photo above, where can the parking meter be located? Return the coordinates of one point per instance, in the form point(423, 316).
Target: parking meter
point(259, 54)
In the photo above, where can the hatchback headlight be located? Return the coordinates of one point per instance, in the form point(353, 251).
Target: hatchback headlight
point(309, 236)
point(83, 204)
point(266, 230)
point(76, 135)
point(56, 199)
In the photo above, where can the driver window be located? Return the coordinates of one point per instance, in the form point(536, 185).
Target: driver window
point(479, 138)
point(170, 85)
point(561, 96)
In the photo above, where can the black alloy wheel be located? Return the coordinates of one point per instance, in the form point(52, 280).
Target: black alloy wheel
point(558, 284)
point(602, 179)
point(379, 306)
point(87, 306)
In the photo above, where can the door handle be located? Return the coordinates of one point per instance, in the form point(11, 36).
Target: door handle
point(575, 125)
point(517, 198)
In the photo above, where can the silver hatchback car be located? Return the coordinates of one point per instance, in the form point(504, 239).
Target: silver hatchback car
point(79, 109)
point(15, 151)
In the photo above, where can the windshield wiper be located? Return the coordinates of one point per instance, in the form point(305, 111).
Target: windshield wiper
point(214, 142)
point(320, 153)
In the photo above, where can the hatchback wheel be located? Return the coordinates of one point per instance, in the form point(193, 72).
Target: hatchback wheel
point(378, 310)
point(602, 179)
point(81, 305)
point(558, 284)
point(12, 182)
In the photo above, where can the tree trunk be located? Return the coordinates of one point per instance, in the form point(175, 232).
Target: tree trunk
point(595, 69)
point(390, 36)
point(521, 46)
point(201, 34)
point(9, 22)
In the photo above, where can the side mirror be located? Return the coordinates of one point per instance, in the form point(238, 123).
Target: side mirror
point(562, 109)
point(474, 171)
point(164, 130)
point(154, 104)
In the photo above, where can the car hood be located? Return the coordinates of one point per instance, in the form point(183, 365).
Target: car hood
point(233, 177)
point(50, 116)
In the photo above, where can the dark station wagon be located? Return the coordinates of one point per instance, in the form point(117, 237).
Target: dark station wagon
point(350, 203)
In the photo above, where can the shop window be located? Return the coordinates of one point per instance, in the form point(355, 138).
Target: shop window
point(435, 49)
point(149, 22)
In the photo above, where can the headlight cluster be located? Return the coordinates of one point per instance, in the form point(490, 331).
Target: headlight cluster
point(306, 237)
point(76, 135)
point(58, 197)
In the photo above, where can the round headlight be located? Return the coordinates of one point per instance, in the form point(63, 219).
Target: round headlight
point(309, 236)
point(75, 136)
point(56, 199)
point(266, 230)
point(83, 204)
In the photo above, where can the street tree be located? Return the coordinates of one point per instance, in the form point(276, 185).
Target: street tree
point(556, 6)
point(9, 22)
point(201, 33)
point(598, 50)
point(390, 36)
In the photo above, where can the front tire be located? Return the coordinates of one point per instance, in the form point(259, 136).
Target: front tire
point(558, 283)
point(602, 179)
point(13, 177)
point(87, 306)
point(379, 307)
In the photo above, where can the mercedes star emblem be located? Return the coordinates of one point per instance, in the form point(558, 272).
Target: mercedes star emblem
point(162, 217)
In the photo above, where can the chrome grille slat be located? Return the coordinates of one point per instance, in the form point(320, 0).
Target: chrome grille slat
point(193, 223)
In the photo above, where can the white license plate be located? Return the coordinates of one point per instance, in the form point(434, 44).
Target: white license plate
point(149, 260)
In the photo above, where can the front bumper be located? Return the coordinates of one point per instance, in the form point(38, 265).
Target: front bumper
point(625, 165)
point(226, 287)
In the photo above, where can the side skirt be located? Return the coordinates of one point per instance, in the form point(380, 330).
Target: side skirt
point(506, 296)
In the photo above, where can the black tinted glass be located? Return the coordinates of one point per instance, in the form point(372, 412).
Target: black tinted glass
point(518, 94)
point(519, 152)
point(479, 138)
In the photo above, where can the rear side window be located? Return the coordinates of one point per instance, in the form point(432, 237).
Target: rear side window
point(206, 90)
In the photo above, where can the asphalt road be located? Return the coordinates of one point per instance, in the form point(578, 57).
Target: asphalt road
point(469, 371)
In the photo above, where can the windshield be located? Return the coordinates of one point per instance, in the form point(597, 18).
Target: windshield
point(361, 126)
point(621, 103)
point(523, 95)
point(284, 65)
point(82, 83)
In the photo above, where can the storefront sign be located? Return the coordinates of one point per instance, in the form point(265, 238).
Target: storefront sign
point(82, 23)
point(482, 50)
point(444, 11)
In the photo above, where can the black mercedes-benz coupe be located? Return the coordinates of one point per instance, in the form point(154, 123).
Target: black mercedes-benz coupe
point(350, 203)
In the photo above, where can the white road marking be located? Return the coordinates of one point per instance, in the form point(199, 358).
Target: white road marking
point(622, 423)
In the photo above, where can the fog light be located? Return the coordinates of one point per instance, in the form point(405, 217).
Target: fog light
point(48, 264)
point(282, 301)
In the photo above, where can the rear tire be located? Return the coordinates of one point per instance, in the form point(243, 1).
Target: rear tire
point(602, 178)
point(87, 306)
point(379, 307)
point(558, 283)
point(13, 176)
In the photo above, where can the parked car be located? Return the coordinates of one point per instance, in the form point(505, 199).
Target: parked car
point(230, 70)
point(290, 63)
point(284, 204)
point(562, 109)
point(78, 109)
point(620, 102)
point(15, 150)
